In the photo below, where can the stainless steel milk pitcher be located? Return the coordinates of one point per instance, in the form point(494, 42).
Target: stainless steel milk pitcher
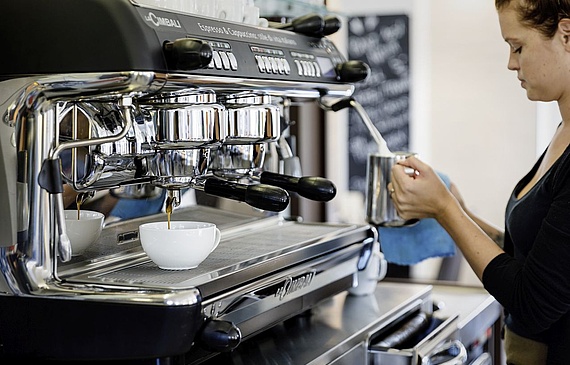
point(380, 209)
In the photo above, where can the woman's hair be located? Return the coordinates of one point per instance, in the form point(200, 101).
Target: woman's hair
point(542, 15)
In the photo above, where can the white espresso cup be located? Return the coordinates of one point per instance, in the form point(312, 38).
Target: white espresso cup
point(184, 246)
point(84, 231)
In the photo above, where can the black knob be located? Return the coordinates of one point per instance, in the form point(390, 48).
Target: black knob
point(352, 71)
point(219, 336)
point(187, 54)
point(332, 24)
point(310, 24)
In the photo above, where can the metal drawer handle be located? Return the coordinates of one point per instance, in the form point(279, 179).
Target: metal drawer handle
point(441, 355)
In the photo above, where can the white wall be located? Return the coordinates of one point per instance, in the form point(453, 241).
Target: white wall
point(483, 127)
point(469, 116)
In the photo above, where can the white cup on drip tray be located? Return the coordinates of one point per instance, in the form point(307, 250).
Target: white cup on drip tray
point(183, 246)
point(83, 228)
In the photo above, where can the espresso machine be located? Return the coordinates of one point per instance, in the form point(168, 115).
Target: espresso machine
point(123, 96)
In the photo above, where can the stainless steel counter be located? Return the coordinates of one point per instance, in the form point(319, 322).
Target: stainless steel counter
point(478, 311)
point(337, 331)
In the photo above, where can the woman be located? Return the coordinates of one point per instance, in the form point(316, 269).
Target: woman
point(531, 276)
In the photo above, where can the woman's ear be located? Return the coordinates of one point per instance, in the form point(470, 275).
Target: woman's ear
point(564, 32)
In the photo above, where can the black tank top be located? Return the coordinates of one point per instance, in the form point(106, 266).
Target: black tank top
point(532, 279)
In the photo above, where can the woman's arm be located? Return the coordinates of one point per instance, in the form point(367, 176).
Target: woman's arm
point(492, 231)
point(424, 195)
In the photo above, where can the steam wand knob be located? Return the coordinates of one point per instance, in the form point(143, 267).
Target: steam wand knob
point(309, 24)
point(352, 71)
point(332, 24)
point(313, 25)
point(188, 54)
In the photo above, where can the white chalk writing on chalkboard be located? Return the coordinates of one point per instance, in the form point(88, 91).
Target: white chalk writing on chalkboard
point(383, 43)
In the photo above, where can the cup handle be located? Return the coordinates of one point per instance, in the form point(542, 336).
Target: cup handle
point(383, 269)
point(217, 239)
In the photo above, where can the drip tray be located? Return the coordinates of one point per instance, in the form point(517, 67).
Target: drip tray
point(241, 256)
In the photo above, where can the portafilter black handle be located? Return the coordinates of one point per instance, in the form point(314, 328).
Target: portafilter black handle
point(310, 187)
point(265, 197)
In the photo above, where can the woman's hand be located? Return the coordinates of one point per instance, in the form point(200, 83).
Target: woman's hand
point(421, 194)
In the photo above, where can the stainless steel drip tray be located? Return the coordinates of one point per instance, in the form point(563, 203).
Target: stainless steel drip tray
point(243, 255)
point(119, 241)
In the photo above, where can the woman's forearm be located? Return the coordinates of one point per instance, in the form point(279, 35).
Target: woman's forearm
point(497, 235)
point(476, 243)
point(493, 232)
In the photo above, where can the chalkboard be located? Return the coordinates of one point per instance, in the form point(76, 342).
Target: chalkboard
point(383, 43)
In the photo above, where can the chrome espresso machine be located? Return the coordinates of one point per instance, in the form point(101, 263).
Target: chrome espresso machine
point(112, 95)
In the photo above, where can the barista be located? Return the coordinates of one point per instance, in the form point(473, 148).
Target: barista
point(529, 277)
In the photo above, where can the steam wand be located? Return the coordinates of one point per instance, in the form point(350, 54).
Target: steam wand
point(374, 132)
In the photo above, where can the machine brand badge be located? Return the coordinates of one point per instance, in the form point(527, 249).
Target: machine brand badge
point(292, 284)
point(159, 21)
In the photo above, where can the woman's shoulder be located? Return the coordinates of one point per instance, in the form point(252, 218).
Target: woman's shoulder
point(565, 157)
point(561, 168)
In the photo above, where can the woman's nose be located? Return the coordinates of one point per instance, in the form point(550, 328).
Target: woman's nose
point(513, 63)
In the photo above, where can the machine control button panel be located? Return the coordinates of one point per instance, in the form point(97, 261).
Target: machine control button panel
point(269, 61)
point(222, 56)
point(224, 60)
point(306, 64)
point(272, 65)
